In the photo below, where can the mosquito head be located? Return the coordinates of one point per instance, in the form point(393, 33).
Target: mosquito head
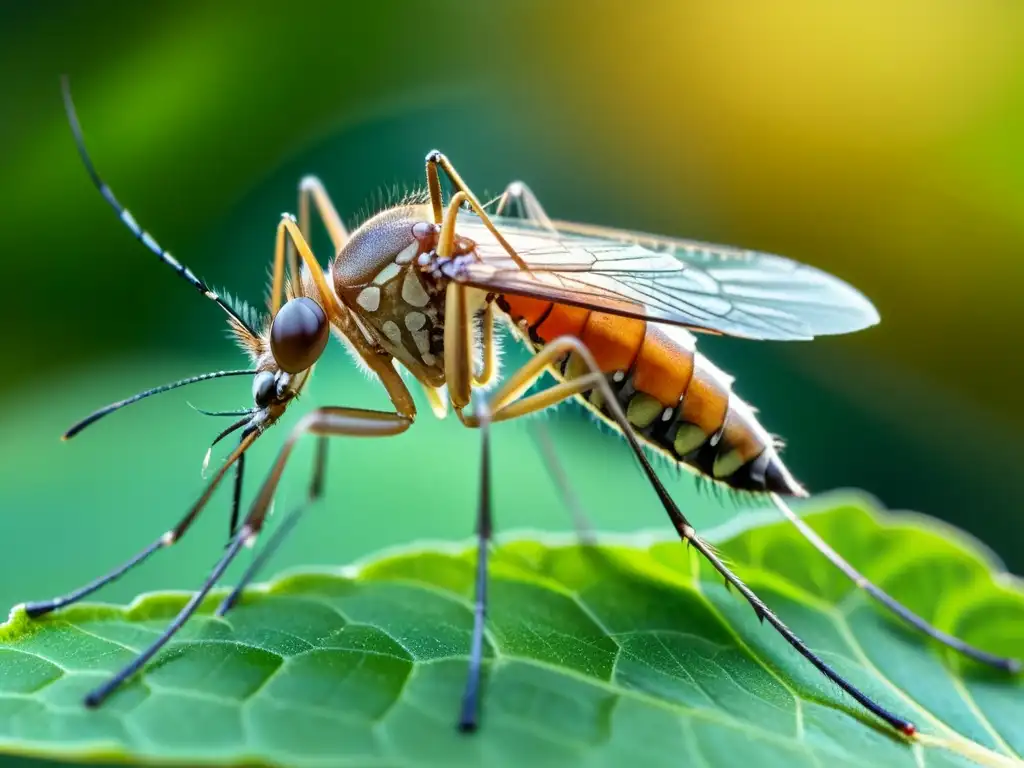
point(272, 391)
point(297, 337)
point(274, 388)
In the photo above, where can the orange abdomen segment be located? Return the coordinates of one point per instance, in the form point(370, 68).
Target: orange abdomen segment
point(562, 320)
point(613, 341)
point(663, 367)
point(525, 308)
point(675, 399)
point(707, 400)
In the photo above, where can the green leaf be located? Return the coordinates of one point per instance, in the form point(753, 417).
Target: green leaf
point(631, 653)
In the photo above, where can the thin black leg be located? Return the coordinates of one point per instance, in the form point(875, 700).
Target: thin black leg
point(166, 540)
point(43, 607)
point(556, 471)
point(470, 717)
point(687, 533)
point(764, 613)
point(97, 696)
point(883, 597)
point(236, 496)
point(282, 531)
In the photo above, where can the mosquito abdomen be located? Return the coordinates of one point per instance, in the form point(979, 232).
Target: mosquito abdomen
point(675, 398)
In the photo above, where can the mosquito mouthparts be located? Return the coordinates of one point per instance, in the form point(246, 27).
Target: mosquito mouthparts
point(233, 428)
point(239, 412)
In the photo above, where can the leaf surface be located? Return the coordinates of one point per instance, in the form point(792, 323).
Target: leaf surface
point(630, 653)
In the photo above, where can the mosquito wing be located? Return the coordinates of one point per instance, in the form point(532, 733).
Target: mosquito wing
point(709, 288)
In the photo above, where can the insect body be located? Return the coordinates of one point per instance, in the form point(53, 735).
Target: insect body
point(609, 313)
point(674, 398)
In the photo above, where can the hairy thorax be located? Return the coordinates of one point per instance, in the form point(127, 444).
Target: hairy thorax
point(381, 274)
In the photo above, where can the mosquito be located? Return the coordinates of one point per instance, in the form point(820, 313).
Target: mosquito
point(610, 314)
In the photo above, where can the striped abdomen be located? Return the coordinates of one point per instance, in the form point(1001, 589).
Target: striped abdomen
point(676, 399)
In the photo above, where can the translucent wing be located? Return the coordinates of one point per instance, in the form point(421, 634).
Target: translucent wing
point(705, 287)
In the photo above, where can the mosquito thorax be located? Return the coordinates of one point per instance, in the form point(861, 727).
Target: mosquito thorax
point(385, 275)
point(396, 234)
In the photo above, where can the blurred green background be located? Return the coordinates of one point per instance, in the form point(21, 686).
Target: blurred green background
point(882, 142)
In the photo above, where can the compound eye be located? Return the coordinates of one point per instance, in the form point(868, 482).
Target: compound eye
point(263, 388)
point(298, 335)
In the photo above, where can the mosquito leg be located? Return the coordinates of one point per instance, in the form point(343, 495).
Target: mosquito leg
point(42, 607)
point(470, 716)
point(312, 188)
point(1009, 665)
point(288, 233)
point(324, 421)
point(508, 403)
point(334, 421)
point(309, 188)
point(490, 362)
point(518, 201)
point(458, 331)
point(236, 496)
point(435, 159)
point(166, 540)
point(556, 471)
point(96, 697)
point(327, 421)
point(458, 340)
point(283, 529)
point(438, 403)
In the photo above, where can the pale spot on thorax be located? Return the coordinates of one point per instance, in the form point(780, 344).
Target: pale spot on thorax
point(422, 341)
point(408, 254)
point(369, 298)
point(414, 321)
point(393, 332)
point(412, 291)
point(387, 274)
